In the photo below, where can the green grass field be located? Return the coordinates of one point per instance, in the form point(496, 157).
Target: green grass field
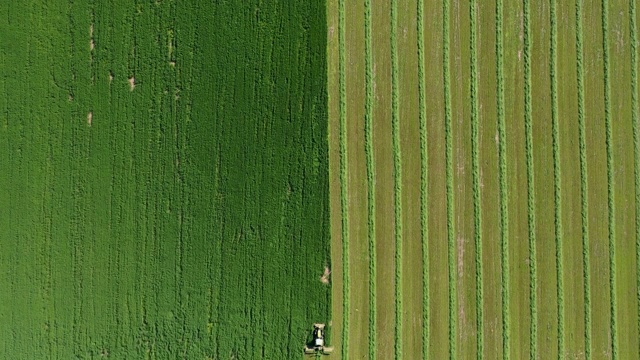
point(177, 176)
point(164, 176)
point(496, 172)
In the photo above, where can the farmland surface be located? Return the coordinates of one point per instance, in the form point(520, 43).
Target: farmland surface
point(485, 179)
point(164, 179)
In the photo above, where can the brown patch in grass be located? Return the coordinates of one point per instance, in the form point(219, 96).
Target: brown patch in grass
point(132, 83)
point(325, 277)
point(92, 43)
point(90, 118)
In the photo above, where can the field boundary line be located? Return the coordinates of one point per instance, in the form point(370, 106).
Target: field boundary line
point(475, 159)
point(557, 191)
point(371, 181)
point(344, 186)
point(610, 179)
point(504, 195)
point(424, 182)
point(586, 262)
point(531, 195)
point(451, 244)
point(636, 139)
point(397, 169)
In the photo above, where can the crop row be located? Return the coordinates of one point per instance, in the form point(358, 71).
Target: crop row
point(451, 252)
point(344, 178)
point(610, 180)
point(556, 177)
point(475, 160)
point(636, 138)
point(502, 159)
point(397, 171)
point(531, 197)
point(586, 262)
point(424, 182)
point(371, 181)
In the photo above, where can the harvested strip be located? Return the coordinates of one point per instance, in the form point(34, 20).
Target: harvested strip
point(371, 181)
point(610, 180)
point(502, 156)
point(636, 138)
point(344, 189)
point(424, 186)
point(397, 170)
point(586, 262)
point(531, 198)
point(477, 206)
point(556, 178)
point(451, 244)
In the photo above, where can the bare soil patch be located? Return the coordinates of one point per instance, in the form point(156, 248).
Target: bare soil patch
point(325, 276)
point(132, 83)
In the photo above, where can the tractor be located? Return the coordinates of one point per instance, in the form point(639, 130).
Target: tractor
point(317, 346)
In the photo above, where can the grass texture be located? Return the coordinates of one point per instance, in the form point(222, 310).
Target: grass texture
point(177, 218)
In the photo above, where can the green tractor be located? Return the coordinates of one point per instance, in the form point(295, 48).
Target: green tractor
point(317, 346)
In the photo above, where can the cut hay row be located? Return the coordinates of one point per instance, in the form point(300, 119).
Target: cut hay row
point(610, 180)
point(556, 177)
point(397, 176)
point(371, 181)
point(586, 262)
point(502, 159)
point(475, 160)
point(424, 182)
point(344, 178)
point(531, 197)
point(636, 138)
point(451, 245)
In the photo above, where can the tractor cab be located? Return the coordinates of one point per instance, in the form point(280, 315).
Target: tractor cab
point(317, 345)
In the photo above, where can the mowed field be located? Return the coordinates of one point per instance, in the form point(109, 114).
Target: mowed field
point(163, 179)
point(484, 179)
